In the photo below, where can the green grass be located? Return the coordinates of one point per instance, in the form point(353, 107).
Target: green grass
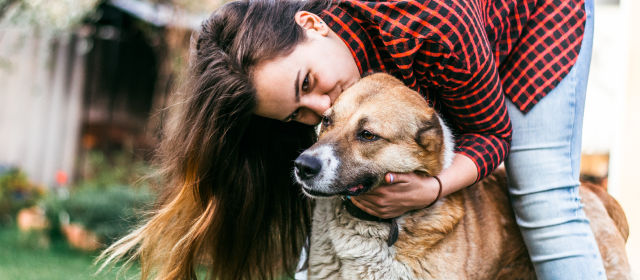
point(20, 259)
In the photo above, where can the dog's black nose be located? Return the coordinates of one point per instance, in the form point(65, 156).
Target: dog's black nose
point(307, 167)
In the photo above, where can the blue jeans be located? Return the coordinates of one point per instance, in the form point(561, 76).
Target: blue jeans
point(544, 167)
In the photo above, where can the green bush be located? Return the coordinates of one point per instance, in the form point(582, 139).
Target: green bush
point(16, 192)
point(109, 212)
point(102, 171)
point(108, 199)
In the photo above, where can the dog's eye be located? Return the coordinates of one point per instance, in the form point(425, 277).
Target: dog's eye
point(367, 135)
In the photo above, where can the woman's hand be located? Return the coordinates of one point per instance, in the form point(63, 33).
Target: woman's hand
point(402, 192)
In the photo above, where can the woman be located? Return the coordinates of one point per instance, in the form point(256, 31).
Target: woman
point(263, 66)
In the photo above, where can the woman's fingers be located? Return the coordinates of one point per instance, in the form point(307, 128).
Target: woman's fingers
point(384, 212)
point(394, 178)
point(393, 199)
point(365, 206)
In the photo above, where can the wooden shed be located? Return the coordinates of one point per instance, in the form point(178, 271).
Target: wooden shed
point(95, 86)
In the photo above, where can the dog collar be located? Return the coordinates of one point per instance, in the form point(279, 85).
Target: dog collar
point(359, 214)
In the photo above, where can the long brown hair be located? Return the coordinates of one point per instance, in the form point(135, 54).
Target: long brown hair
point(229, 201)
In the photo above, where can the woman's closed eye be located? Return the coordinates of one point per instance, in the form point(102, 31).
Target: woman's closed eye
point(293, 115)
point(305, 83)
point(305, 86)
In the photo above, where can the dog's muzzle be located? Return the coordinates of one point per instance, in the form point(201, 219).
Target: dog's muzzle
point(316, 170)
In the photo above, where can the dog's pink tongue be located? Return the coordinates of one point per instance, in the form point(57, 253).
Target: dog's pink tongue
point(355, 188)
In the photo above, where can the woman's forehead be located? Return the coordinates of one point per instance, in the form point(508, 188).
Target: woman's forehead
point(275, 85)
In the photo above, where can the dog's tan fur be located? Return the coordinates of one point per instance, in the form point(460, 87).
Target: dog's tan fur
point(470, 234)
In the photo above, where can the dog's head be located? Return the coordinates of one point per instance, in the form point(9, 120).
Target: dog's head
point(376, 126)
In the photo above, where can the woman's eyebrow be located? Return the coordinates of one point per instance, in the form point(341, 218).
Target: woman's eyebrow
point(296, 87)
point(297, 90)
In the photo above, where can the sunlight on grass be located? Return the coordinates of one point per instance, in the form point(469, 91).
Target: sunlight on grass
point(20, 260)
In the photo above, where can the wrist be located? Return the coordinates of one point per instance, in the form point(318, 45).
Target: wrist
point(438, 192)
point(432, 192)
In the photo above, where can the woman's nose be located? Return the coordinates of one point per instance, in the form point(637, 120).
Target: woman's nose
point(318, 103)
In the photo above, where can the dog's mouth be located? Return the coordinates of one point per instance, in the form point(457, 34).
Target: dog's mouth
point(360, 186)
point(314, 193)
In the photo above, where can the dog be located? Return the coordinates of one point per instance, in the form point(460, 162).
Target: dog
point(379, 125)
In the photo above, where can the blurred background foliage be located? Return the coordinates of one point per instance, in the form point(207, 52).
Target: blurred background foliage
point(111, 198)
point(67, 14)
point(16, 192)
point(99, 74)
point(55, 15)
point(103, 205)
point(76, 173)
point(192, 6)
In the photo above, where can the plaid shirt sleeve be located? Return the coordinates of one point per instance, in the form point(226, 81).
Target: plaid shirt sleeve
point(474, 105)
point(457, 69)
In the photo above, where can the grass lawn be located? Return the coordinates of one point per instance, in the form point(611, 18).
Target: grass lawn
point(21, 261)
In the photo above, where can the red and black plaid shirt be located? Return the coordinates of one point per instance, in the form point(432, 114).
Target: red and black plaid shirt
point(465, 56)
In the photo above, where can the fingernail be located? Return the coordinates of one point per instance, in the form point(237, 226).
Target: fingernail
point(389, 178)
point(348, 197)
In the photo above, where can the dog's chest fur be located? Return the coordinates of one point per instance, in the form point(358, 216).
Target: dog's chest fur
point(344, 247)
point(440, 242)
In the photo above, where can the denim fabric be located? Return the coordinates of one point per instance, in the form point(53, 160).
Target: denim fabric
point(543, 168)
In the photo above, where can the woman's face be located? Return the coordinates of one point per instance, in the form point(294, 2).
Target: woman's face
point(303, 84)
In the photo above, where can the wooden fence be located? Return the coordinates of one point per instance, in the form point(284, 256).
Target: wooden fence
point(41, 90)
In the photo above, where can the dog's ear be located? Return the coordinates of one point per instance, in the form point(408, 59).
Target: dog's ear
point(429, 135)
